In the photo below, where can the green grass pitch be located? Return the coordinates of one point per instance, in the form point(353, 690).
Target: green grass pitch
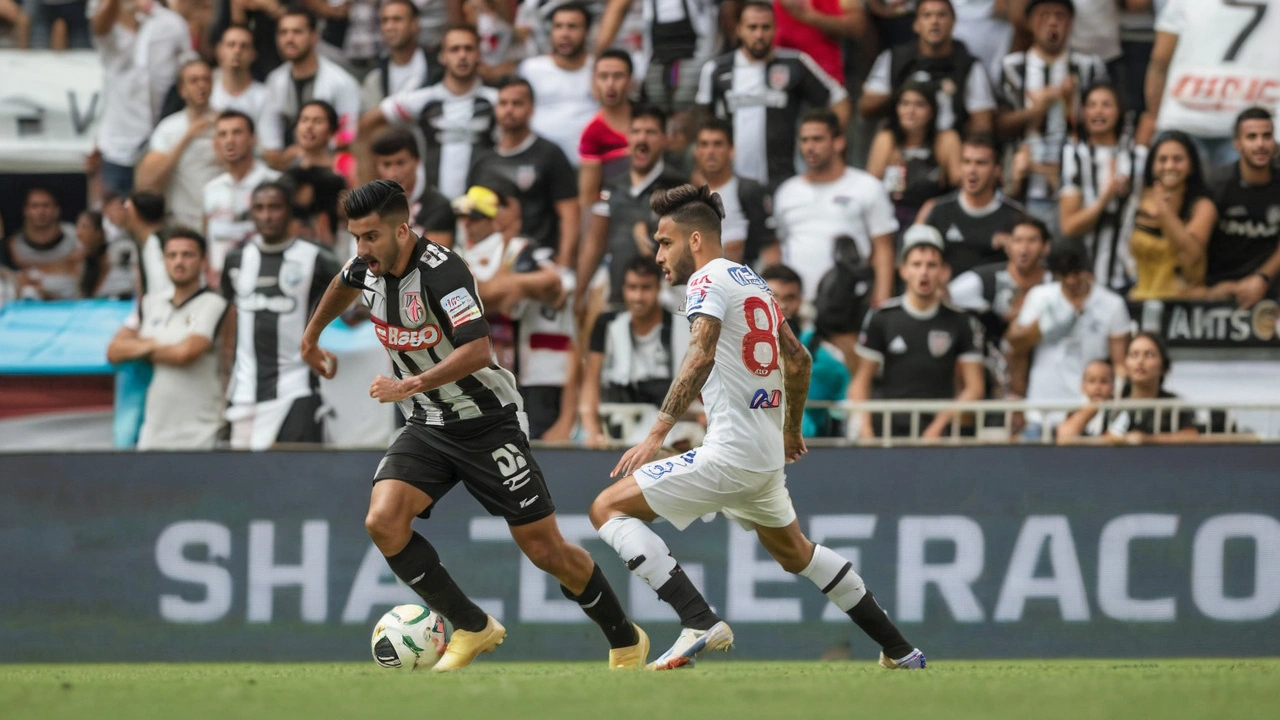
point(716, 688)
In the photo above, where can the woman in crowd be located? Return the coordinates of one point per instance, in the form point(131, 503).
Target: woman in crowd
point(915, 161)
point(1098, 170)
point(1174, 219)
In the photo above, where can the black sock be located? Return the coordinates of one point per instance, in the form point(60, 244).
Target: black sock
point(418, 564)
point(679, 593)
point(600, 604)
point(876, 624)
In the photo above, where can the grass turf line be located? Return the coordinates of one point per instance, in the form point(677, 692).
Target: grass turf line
point(991, 690)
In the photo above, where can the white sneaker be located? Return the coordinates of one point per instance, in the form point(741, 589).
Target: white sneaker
point(693, 643)
point(914, 661)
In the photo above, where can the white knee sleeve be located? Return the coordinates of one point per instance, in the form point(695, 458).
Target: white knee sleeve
point(640, 548)
point(835, 577)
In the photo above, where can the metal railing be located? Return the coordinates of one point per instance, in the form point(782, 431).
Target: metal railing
point(989, 422)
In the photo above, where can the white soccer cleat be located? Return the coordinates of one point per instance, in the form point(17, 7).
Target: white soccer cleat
point(693, 643)
point(914, 661)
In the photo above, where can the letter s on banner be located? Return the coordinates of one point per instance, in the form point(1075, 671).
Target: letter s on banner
point(216, 579)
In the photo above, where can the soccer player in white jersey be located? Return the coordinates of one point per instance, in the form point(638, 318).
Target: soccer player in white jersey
point(753, 375)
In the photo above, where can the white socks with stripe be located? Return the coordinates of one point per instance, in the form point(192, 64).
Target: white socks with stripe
point(835, 577)
point(641, 549)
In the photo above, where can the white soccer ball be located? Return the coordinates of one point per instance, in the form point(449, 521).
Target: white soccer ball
point(409, 637)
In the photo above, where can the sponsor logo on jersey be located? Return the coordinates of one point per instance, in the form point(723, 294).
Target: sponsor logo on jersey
point(1220, 91)
point(411, 307)
point(693, 300)
point(939, 342)
point(461, 307)
point(1248, 228)
point(766, 400)
point(898, 346)
point(404, 339)
point(704, 280)
point(744, 276)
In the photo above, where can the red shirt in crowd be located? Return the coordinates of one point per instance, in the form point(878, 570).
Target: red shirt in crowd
point(823, 48)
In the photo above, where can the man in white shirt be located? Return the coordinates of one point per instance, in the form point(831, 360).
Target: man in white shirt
point(178, 331)
point(747, 230)
point(404, 66)
point(1211, 60)
point(227, 197)
point(233, 86)
point(305, 75)
point(142, 43)
point(456, 115)
point(561, 81)
point(1069, 323)
point(831, 199)
point(180, 160)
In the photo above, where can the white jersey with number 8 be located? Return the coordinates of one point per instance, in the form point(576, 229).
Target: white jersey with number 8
point(744, 394)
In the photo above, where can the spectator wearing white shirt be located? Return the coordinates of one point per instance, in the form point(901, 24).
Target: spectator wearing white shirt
point(180, 160)
point(178, 331)
point(1069, 323)
point(561, 81)
point(233, 85)
point(831, 199)
point(404, 66)
point(747, 229)
point(304, 76)
point(44, 251)
point(142, 44)
point(1210, 61)
point(227, 196)
point(984, 28)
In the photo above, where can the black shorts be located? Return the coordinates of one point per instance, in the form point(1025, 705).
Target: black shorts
point(490, 456)
point(542, 405)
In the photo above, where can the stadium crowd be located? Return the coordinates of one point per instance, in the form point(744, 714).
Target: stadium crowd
point(948, 198)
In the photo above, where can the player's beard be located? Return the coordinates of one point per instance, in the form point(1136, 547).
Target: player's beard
point(682, 267)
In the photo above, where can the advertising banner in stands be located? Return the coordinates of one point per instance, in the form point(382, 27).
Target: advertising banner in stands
point(976, 552)
point(1188, 324)
point(50, 107)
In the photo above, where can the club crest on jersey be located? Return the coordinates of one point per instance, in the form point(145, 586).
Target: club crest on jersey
point(779, 77)
point(290, 275)
point(765, 400)
point(525, 175)
point(404, 339)
point(412, 310)
point(939, 342)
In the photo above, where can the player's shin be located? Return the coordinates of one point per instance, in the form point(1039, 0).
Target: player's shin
point(599, 603)
point(647, 556)
point(418, 565)
point(835, 577)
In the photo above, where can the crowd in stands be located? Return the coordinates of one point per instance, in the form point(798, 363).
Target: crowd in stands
point(948, 198)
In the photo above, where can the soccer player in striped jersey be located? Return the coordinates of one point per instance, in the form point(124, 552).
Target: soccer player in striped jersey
point(465, 423)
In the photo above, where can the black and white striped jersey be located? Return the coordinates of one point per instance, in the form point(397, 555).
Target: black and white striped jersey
point(421, 318)
point(274, 289)
point(1086, 171)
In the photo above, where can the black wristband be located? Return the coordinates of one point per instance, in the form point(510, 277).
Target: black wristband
point(1264, 276)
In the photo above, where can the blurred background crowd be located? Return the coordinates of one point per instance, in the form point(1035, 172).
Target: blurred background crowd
point(975, 200)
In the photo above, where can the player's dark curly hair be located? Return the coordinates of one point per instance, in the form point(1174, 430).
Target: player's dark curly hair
point(383, 197)
point(696, 208)
point(183, 232)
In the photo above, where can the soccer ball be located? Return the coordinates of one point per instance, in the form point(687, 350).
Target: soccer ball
point(409, 637)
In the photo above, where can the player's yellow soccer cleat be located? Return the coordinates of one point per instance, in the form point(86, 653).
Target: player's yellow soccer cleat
point(465, 646)
point(632, 657)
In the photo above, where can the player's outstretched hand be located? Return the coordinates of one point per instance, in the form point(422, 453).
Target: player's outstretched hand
point(385, 389)
point(793, 446)
point(322, 361)
point(637, 456)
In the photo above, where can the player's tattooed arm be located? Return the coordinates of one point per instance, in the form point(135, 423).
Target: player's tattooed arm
point(694, 369)
point(797, 366)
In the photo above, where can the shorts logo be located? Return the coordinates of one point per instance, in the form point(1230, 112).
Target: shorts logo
point(765, 400)
point(939, 342)
point(412, 308)
point(513, 466)
point(405, 340)
point(656, 470)
point(461, 307)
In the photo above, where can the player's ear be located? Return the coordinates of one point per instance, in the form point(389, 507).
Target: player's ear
point(695, 241)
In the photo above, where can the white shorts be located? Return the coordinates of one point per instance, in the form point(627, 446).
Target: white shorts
point(683, 488)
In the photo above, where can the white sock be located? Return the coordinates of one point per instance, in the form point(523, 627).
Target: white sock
point(640, 548)
point(835, 577)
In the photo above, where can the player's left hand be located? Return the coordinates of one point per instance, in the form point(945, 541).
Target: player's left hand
point(793, 447)
point(637, 456)
point(385, 389)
